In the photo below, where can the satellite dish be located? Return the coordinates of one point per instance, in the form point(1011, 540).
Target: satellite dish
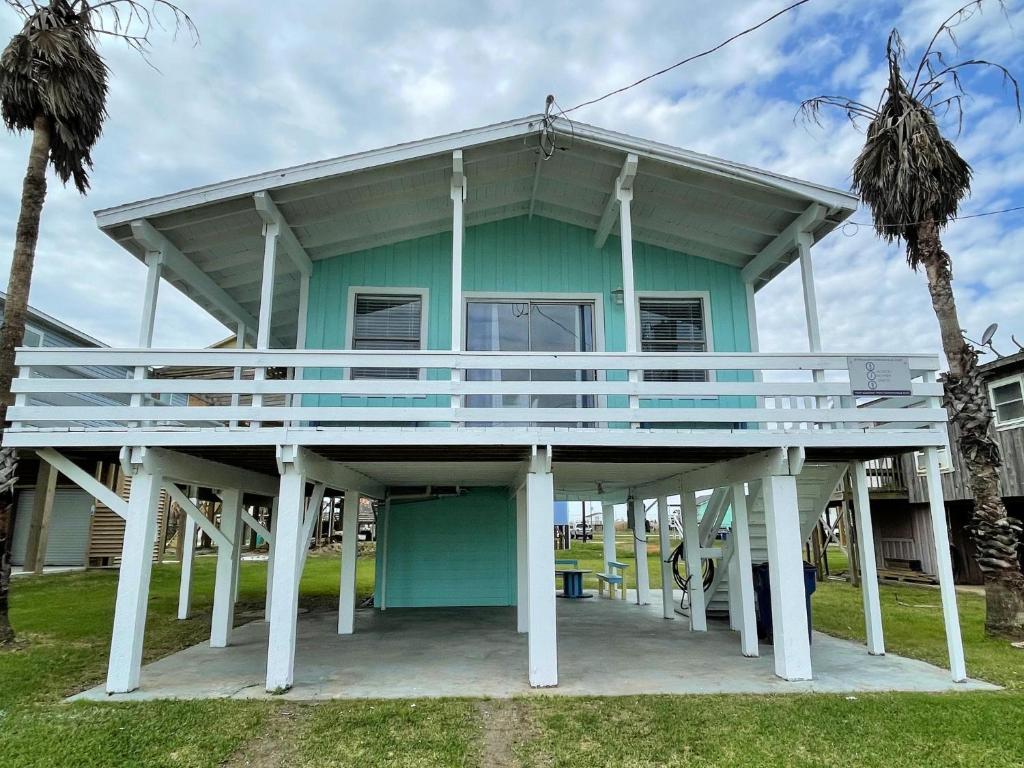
point(986, 337)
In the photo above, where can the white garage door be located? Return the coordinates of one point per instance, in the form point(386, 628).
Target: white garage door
point(69, 527)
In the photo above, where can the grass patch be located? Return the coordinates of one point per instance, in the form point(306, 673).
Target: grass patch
point(888, 731)
point(427, 733)
point(65, 620)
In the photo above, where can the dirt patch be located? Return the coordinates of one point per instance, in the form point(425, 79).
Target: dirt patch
point(278, 743)
point(507, 725)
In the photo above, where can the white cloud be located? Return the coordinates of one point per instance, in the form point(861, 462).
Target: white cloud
point(280, 86)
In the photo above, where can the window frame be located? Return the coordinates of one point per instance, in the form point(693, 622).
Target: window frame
point(709, 331)
point(355, 291)
point(1018, 379)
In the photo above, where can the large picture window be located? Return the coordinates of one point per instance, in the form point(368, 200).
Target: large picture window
point(1008, 400)
point(673, 325)
point(385, 322)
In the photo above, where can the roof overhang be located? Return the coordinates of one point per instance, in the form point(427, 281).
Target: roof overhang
point(688, 202)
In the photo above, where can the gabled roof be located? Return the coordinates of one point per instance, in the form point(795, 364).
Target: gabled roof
point(683, 200)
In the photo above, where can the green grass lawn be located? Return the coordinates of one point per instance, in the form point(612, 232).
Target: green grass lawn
point(64, 624)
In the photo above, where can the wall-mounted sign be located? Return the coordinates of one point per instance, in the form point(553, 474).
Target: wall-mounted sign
point(879, 376)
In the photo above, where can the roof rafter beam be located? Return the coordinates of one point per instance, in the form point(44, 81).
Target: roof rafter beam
point(624, 182)
point(271, 214)
point(174, 260)
point(786, 242)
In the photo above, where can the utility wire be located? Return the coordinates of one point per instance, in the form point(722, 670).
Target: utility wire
point(978, 215)
point(687, 60)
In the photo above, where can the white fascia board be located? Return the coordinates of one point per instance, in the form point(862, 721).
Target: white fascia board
point(250, 185)
point(829, 196)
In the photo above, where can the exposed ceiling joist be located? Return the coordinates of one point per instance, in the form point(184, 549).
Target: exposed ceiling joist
point(270, 214)
point(611, 209)
point(174, 260)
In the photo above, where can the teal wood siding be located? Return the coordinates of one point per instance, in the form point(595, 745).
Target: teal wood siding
point(520, 255)
point(458, 551)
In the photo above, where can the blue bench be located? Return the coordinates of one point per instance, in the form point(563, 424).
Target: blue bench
point(615, 578)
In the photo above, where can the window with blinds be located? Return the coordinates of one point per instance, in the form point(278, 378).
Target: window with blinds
point(673, 325)
point(384, 323)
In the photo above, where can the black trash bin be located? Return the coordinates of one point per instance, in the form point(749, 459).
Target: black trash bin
point(763, 598)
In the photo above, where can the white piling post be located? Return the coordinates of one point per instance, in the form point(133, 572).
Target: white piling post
point(270, 559)
point(868, 569)
point(223, 618)
point(944, 567)
point(522, 564)
point(188, 556)
point(643, 577)
point(608, 522)
point(349, 552)
point(125, 664)
point(540, 512)
point(668, 604)
point(285, 605)
point(744, 573)
point(786, 575)
point(691, 532)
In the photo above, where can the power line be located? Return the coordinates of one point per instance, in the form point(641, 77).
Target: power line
point(978, 215)
point(687, 60)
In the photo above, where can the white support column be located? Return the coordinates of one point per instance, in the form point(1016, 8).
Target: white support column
point(804, 242)
point(285, 605)
point(125, 663)
point(237, 373)
point(540, 513)
point(271, 545)
point(147, 323)
point(349, 552)
point(458, 193)
point(746, 619)
point(629, 306)
point(868, 570)
point(271, 237)
point(188, 556)
point(643, 577)
point(944, 567)
point(786, 576)
point(608, 522)
point(223, 618)
point(668, 606)
point(691, 534)
point(522, 563)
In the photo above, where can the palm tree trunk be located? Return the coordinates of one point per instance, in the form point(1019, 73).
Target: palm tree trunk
point(997, 537)
point(33, 194)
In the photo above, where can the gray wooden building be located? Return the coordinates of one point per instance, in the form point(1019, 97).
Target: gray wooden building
point(902, 530)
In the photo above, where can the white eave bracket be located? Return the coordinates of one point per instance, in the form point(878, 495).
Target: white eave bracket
point(271, 215)
point(623, 184)
point(786, 242)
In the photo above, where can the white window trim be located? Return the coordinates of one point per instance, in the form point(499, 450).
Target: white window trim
point(378, 290)
point(709, 331)
point(596, 299)
point(1012, 423)
point(945, 461)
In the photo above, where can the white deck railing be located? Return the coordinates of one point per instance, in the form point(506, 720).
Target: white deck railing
point(567, 391)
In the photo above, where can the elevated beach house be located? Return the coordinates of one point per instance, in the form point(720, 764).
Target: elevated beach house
point(472, 327)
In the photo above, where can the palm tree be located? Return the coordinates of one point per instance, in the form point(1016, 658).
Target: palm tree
point(912, 179)
point(53, 82)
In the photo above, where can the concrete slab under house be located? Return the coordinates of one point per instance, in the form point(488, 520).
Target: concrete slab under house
point(464, 330)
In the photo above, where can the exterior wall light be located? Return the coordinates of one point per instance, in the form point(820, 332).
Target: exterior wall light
point(618, 296)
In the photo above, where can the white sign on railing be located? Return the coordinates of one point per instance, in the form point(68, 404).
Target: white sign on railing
point(879, 376)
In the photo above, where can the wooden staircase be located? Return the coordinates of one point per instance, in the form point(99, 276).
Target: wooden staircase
point(815, 486)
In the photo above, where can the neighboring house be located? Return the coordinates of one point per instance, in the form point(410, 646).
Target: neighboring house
point(52, 513)
point(471, 327)
point(903, 537)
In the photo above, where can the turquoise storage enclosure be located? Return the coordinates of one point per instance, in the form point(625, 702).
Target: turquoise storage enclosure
point(458, 551)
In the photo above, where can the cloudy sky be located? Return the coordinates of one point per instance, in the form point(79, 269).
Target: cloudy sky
point(274, 84)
